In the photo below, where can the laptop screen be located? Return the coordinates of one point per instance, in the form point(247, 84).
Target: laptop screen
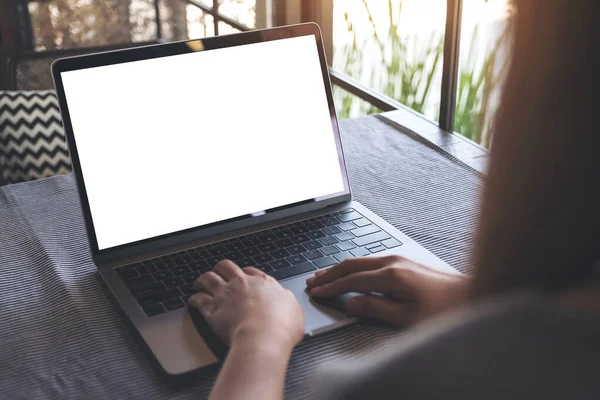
point(172, 143)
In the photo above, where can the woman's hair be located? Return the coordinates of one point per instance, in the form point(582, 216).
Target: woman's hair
point(540, 225)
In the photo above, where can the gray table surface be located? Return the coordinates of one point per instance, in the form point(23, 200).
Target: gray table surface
point(61, 335)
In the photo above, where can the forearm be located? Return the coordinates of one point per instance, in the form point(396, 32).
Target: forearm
point(253, 370)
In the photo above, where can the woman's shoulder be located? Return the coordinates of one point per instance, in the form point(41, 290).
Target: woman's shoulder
point(520, 345)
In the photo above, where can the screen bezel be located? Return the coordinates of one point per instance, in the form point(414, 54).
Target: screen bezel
point(184, 47)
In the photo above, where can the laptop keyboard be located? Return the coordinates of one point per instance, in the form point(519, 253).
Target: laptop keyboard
point(165, 283)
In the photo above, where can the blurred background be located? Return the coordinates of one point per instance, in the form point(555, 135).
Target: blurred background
point(395, 48)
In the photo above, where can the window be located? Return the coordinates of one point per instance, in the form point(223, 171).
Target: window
point(483, 63)
point(395, 47)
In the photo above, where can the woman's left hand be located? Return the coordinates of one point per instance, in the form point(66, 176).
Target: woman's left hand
point(246, 305)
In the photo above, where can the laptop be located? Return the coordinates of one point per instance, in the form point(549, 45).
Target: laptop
point(191, 152)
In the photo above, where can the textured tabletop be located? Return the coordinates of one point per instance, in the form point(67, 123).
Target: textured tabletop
point(61, 335)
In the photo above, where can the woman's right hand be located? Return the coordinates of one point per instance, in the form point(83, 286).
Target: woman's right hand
point(409, 291)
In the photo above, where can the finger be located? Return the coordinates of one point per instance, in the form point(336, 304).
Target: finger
point(209, 282)
point(227, 270)
point(361, 282)
point(253, 271)
point(347, 267)
point(379, 308)
point(201, 301)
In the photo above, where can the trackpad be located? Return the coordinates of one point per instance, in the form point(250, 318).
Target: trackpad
point(323, 314)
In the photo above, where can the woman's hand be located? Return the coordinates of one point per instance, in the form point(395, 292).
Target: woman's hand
point(410, 291)
point(259, 319)
point(246, 305)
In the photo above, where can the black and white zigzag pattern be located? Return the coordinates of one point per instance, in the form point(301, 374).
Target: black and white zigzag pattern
point(32, 139)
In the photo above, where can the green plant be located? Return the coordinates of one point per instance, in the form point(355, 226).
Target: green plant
point(473, 117)
point(407, 79)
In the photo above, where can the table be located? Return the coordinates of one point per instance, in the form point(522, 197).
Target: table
point(61, 335)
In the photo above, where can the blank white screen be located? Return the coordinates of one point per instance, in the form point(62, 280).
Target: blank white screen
point(172, 143)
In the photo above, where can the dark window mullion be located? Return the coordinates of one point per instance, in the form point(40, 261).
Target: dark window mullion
point(450, 71)
point(158, 21)
point(216, 16)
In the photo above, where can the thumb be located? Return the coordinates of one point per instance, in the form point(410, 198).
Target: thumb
point(379, 308)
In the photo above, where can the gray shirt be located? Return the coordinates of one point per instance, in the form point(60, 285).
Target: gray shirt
point(523, 346)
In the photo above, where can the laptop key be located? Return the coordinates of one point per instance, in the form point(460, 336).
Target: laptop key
point(262, 258)
point(164, 264)
point(173, 282)
point(361, 222)
point(360, 252)
point(278, 264)
point(284, 243)
point(162, 275)
point(372, 238)
point(182, 259)
point(351, 216)
point(343, 256)
point(266, 268)
point(236, 246)
point(267, 238)
point(318, 234)
point(139, 281)
point(377, 249)
point(251, 251)
point(199, 266)
point(190, 277)
point(212, 261)
point(300, 239)
point(372, 245)
point(331, 230)
point(187, 289)
point(246, 262)
point(365, 230)
point(284, 234)
point(331, 221)
point(217, 251)
point(281, 253)
point(297, 230)
point(315, 244)
point(391, 243)
point(313, 254)
point(344, 236)
point(347, 210)
point(328, 240)
point(325, 262)
point(153, 310)
point(345, 246)
point(180, 270)
point(312, 226)
point(347, 226)
point(292, 271)
point(329, 250)
point(297, 249)
point(199, 255)
point(250, 242)
point(173, 304)
point(267, 247)
point(296, 259)
point(233, 256)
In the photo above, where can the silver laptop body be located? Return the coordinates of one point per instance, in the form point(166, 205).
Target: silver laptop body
point(198, 145)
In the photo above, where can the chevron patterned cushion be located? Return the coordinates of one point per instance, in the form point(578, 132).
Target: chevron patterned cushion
point(32, 140)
